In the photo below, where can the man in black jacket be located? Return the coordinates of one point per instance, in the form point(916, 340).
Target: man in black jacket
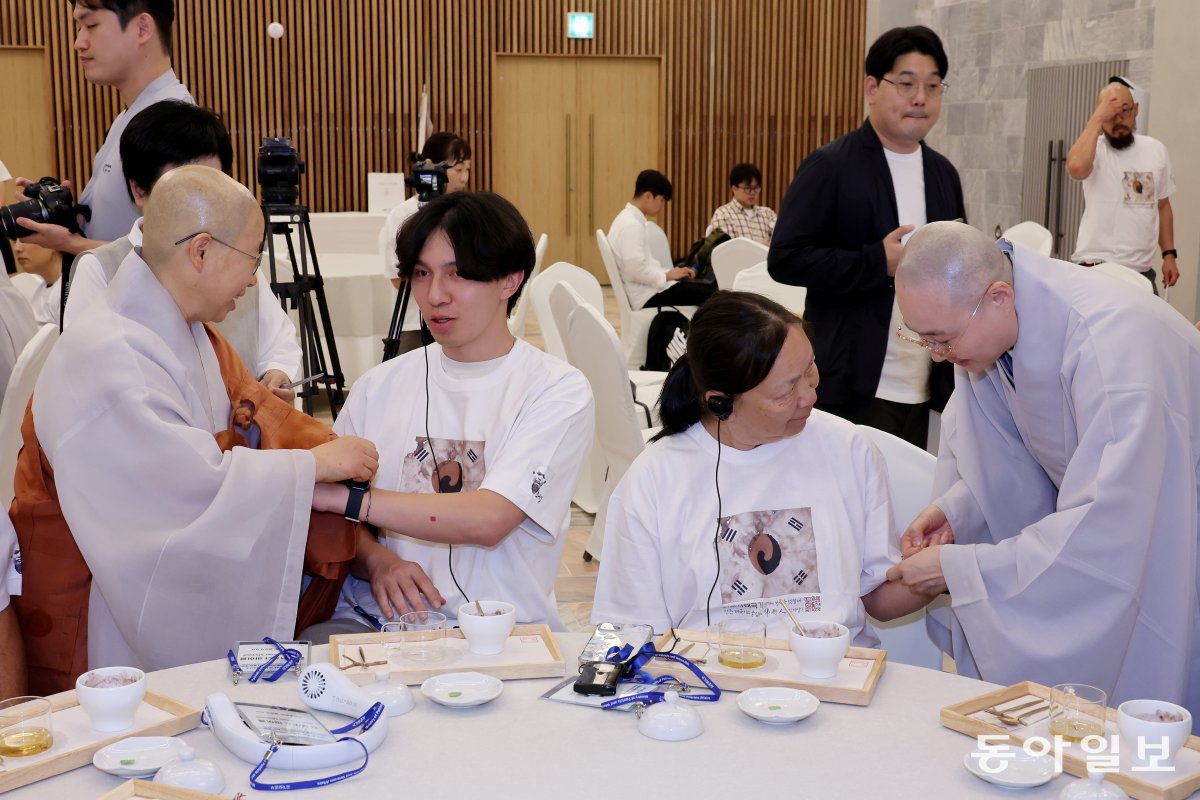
point(841, 231)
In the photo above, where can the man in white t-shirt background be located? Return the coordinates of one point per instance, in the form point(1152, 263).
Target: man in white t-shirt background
point(1127, 188)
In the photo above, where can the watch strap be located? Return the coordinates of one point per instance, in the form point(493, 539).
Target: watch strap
point(354, 500)
point(1170, 252)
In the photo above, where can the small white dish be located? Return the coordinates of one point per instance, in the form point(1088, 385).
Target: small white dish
point(138, 756)
point(461, 689)
point(1020, 769)
point(189, 772)
point(778, 705)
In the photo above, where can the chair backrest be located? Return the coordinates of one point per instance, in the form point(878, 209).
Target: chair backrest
point(516, 323)
point(614, 277)
point(27, 282)
point(16, 397)
point(659, 245)
point(730, 258)
point(756, 279)
point(1032, 235)
point(1123, 273)
point(594, 349)
point(910, 476)
point(581, 280)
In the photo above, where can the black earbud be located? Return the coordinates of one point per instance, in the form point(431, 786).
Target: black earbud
point(720, 406)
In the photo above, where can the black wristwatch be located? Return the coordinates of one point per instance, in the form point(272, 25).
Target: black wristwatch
point(354, 501)
point(1171, 252)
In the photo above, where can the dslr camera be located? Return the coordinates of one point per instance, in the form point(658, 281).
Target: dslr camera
point(48, 202)
point(279, 171)
point(427, 180)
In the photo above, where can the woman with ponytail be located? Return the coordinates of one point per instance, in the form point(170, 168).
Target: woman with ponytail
point(748, 495)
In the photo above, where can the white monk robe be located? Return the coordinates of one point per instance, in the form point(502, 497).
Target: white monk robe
point(1073, 498)
point(191, 548)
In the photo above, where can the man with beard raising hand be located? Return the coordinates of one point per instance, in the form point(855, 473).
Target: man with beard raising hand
point(1127, 186)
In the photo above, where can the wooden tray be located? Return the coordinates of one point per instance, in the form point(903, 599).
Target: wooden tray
point(531, 653)
point(854, 685)
point(81, 742)
point(149, 790)
point(970, 718)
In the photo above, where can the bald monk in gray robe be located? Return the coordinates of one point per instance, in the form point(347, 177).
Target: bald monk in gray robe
point(1067, 474)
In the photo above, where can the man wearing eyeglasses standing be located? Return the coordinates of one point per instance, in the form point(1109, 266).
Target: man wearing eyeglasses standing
point(1127, 188)
point(743, 216)
point(841, 233)
point(1067, 491)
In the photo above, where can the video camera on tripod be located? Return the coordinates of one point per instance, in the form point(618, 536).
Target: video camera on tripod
point(279, 171)
point(427, 179)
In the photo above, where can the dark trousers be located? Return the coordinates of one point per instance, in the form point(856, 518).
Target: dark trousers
point(909, 422)
point(1151, 276)
point(684, 293)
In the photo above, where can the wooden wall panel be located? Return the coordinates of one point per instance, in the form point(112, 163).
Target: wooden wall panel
point(743, 80)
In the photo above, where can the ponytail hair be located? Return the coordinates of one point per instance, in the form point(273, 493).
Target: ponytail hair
point(733, 341)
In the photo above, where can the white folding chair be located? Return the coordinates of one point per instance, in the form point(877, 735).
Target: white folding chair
point(16, 398)
point(1123, 273)
point(1032, 235)
point(635, 323)
point(731, 257)
point(516, 322)
point(756, 279)
point(910, 476)
point(658, 244)
point(594, 348)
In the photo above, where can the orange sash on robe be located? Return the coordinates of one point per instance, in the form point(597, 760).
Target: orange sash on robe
point(56, 582)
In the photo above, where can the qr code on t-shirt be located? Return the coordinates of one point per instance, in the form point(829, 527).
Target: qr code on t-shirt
point(812, 604)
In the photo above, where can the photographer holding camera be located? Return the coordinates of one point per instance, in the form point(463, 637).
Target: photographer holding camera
point(126, 44)
point(450, 153)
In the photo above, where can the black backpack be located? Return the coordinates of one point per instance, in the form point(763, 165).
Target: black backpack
point(660, 353)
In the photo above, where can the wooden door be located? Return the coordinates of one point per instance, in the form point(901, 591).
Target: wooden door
point(27, 136)
point(570, 136)
point(619, 112)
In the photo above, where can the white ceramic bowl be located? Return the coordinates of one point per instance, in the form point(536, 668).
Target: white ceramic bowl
point(1145, 738)
point(111, 708)
point(487, 635)
point(820, 657)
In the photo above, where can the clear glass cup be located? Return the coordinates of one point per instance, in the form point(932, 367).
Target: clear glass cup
point(425, 635)
point(1077, 711)
point(25, 726)
point(743, 643)
point(392, 645)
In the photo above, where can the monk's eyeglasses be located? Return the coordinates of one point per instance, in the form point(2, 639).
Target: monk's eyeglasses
point(257, 258)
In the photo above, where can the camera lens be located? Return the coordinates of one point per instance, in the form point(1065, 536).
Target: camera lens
point(29, 209)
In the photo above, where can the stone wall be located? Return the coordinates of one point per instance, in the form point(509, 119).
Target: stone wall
point(991, 44)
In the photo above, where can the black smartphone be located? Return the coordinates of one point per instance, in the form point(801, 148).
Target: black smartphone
point(599, 678)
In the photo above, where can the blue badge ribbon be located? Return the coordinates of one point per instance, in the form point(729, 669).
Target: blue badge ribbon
point(291, 659)
point(635, 668)
point(366, 721)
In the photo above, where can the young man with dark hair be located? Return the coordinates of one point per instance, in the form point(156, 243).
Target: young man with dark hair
point(841, 232)
point(159, 138)
point(743, 217)
point(479, 414)
point(126, 44)
point(442, 147)
point(648, 283)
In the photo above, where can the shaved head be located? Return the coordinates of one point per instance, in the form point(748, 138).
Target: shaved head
point(953, 258)
point(1120, 89)
point(191, 199)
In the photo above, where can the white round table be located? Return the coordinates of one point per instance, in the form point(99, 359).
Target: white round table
point(521, 745)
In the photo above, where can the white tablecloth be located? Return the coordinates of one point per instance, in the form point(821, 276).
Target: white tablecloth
point(523, 746)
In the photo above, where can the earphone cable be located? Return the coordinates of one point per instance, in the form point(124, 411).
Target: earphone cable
point(437, 470)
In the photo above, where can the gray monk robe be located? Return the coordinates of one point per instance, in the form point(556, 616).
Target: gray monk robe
point(1073, 496)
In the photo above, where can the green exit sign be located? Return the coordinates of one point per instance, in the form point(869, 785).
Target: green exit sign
point(581, 25)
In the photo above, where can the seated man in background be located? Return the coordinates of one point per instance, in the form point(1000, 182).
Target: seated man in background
point(442, 147)
point(191, 542)
point(163, 136)
point(648, 283)
point(478, 470)
point(47, 265)
point(742, 217)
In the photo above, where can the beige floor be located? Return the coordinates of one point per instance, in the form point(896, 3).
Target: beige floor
point(576, 584)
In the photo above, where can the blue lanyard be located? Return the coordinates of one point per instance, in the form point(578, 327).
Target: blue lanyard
point(636, 668)
point(291, 659)
point(365, 722)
